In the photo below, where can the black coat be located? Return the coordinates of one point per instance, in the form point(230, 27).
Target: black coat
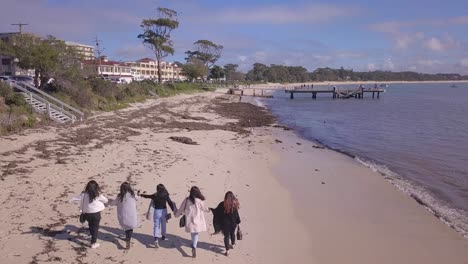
point(224, 221)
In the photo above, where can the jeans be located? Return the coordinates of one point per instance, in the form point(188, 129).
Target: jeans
point(160, 222)
point(229, 233)
point(194, 240)
point(93, 223)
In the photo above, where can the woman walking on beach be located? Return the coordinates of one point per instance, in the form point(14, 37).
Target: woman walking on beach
point(227, 217)
point(159, 201)
point(91, 204)
point(126, 202)
point(192, 208)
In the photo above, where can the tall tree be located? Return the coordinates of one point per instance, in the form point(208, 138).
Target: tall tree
point(194, 69)
point(217, 72)
point(157, 34)
point(48, 57)
point(206, 51)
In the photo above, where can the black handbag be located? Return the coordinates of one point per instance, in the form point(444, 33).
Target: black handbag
point(82, 215)
point(82, 218)
point(239, 233)
point(183, 219)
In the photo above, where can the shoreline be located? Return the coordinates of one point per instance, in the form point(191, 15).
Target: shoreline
point(452, 216)
point(361, 208)
point(398, 182)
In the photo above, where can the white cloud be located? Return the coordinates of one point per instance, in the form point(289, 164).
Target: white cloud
point(388, 64)
point(464, 62)
point(351, 55)
point(242, 58)
point(434, 44)
point(437, 44)
point(396, 26)
point(133, 52)
point(428, 63)
point(64, 21)
point(371, 67)
point(285, 14)
point(405, 40)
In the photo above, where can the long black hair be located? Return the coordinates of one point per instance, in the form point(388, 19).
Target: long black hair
point(161, 190)
point(93, 190)
point(124, 189)
point(196, 193)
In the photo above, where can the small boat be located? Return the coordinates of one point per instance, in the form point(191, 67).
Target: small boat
point(453, 86)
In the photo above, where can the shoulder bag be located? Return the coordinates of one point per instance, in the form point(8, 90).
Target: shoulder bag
point(239, 234)
point(183, 221)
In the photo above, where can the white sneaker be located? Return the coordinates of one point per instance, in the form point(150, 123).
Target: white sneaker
point(95, 245)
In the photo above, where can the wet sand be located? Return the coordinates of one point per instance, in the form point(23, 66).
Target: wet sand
point(287, 214)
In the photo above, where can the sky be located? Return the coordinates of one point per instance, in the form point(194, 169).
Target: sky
point(427, 36)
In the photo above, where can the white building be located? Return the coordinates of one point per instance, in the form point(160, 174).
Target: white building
point(112, 70)
point(147, 69)
point(85, 51)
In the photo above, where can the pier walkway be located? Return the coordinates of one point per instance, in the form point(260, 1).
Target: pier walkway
point(338, 93)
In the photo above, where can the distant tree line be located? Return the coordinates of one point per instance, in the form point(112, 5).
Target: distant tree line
point(290, 74)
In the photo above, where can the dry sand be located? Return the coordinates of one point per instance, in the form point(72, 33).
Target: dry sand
point(288, 215)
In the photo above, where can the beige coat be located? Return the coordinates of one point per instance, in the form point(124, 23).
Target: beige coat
point(195, 218)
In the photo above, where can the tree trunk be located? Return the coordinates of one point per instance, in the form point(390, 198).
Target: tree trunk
point(159, 71)
point(36, 78)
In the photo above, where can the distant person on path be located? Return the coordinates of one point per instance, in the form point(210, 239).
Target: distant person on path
point(127, 213)
point(226, 217)
point(159, 200)
point(91, 204)
point(193, 207)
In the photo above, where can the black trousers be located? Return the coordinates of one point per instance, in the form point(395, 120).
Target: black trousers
point(229, 234)
point(93, 223)
point(128, 234)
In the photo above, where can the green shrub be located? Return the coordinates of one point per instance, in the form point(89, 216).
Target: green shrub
point(5, 90)
point(15, 99)
point(104, 88)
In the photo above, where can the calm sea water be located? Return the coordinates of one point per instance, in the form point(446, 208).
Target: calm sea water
point(416, 135)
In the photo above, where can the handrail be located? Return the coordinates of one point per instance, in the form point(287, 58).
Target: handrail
point(62, 104)
point(56, 107)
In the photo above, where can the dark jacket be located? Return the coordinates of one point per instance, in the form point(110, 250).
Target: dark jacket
point(160, 201)
point(223, 220)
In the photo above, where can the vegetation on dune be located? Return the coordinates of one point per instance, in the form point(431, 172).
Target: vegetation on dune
point(15, 113)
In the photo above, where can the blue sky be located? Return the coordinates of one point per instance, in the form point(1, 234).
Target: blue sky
point(419, 35)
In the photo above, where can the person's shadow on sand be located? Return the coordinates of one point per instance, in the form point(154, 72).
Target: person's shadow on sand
point(172, 241)
point(76, 234)
point(80, 236)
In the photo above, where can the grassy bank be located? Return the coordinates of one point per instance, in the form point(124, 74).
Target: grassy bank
point(87, 95)
point(99, 95)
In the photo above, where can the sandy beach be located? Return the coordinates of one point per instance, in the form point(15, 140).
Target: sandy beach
point(300, 202)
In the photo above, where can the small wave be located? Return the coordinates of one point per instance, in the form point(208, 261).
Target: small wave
point(456, 219)
point(259, 102)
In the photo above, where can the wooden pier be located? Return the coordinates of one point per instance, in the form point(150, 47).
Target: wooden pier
point(255, 92)
point(338, 93)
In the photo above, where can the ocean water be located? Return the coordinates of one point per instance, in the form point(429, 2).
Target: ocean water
point(415, 135)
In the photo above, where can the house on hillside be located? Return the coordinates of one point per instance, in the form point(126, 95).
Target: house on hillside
point(112, 70)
